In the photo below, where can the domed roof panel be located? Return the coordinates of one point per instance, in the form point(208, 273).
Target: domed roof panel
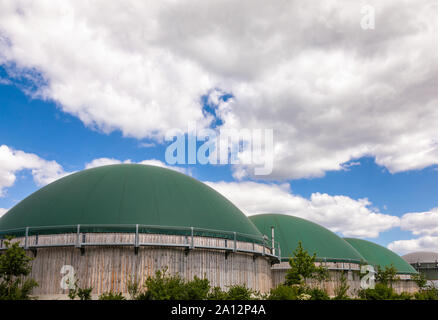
point(421, 256)
point(378, 255)
point(289, 230)
point(128, 194)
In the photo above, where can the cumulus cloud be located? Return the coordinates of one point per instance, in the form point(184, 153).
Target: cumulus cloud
point(152, 162)
point(13, 161)
point(421, 223)
point(427, 243)
point(331, 91)
point(3, 211)
point(350, 217)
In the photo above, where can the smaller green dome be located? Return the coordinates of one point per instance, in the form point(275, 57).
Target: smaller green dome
point(289, 230)
point(380, 256)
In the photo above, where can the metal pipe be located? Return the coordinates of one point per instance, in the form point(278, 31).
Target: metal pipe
point(78, 234)
point(273, 240)
point(26, 238)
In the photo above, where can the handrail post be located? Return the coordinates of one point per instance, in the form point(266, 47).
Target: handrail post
point(136, 242)
point(235, 242)
point(78, 236)
point(26, 238)
point(263, 245)
point(192, 236)
point(279, 252)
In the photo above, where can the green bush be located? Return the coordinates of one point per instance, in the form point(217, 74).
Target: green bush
point(14, 265)
point(284, 292)
point(81, 293)
point(111, 296)
point(317, 294)
point(239, 292)
point(217, 293)
point(197, 289)
point(166, 287)
point(163, 286)
point(380, 292)
point(427, 294)
point(341, 290)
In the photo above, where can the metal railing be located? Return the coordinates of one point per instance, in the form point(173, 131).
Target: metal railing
point(268, 248)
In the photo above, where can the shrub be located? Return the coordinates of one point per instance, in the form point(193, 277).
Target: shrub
point(217, 293)
point(317, 294)
point(81, 293)
point(429, 293)
point(380, 292)
point(134, 289)
point(420, 280)
point(14, 265)
point(239, 292)
point(197, 289)
point(166, 287)
point(111, 296)
point(341, 290)
point(284, 292)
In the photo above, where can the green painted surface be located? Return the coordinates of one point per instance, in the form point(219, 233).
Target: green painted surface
point(378, 255)
point(128, 194)
point(290, 230)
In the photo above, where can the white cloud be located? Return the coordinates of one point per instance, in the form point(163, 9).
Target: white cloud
point(13, 161)
point(152, 162)
point(3, 211)
point(331, 91)
point(427, 243)
point(421, 223)
point(104, 162)
point(352, 218)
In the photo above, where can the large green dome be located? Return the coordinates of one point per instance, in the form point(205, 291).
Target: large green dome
point(380, 256)
point(289, 230)
point(128, 194)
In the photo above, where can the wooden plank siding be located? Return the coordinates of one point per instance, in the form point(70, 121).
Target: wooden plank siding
point(109, 268)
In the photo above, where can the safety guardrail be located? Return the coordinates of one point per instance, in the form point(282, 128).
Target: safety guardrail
point(268, 248)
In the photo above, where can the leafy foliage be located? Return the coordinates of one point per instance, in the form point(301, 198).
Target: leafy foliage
point(14, 265)
point(317, 294)
point(302, 267)
point(284, 292)
point(81, 293)
point(420, 280)
point(341, 290)
point(216, 293)
point(112, 296)
point(239, 292)
point(380, 292)
point(387, 275)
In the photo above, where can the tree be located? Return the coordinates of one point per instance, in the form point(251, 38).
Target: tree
point(341, 290)
point(14, 266)
point(302, 267)
point(387, 275)
point(420, 280)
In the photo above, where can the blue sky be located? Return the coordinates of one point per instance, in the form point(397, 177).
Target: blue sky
point(37, 126)
point(353, 110)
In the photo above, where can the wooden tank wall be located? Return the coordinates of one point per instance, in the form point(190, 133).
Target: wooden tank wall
point(109, 268)
point(351, 272)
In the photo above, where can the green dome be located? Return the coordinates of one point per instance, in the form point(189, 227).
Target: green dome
point(289, 230)
point(128, 194)
point(380, 256)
